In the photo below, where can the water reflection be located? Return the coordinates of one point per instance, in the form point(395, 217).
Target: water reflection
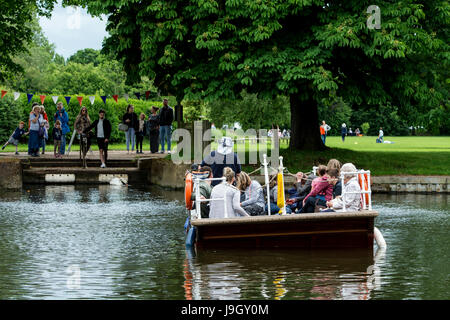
point(277, 274)
point(72, 242)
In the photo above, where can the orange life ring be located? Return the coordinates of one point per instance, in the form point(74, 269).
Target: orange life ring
point(188, 188)
point(364, 186)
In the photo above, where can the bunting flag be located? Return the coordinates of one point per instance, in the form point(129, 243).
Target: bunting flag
point(55, 99)
point(138, 95)
point(147, 94)
point(67, 100)
point(16, 95)
point(126, 96)
point(115, 97)
point(3, 93)
point(29, 95)
point(42, 98)
point(79, 100)
point(92, 99)
point(104, 99)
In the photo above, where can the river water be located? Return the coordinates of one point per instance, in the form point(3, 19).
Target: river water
point(106, 242)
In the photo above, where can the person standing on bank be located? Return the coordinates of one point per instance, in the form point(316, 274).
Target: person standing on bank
point(165, 125)
point(153, 129)
point(343, 131)
point(131, 120)
point(140, 133)
point(63, 118)
point(103, 133)
point(36, 131)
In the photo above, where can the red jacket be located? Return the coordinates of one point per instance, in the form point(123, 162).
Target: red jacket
point(322, 187)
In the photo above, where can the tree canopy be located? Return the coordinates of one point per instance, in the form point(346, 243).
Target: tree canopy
point(306, 50)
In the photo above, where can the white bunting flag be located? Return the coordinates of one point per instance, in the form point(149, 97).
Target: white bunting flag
point(55, 99)
point(16, 95)
point(126, 96)
point(92, 99)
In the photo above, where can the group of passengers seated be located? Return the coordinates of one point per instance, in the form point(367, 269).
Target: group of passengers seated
point(238, 195)
point(242, 196)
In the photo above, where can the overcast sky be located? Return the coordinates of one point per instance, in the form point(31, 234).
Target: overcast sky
point(73, 29)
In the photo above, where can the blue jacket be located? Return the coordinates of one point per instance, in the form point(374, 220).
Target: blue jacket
point(64, 120)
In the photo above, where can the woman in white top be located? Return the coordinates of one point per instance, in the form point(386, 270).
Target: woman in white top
point(351, 189)
point(230, 208)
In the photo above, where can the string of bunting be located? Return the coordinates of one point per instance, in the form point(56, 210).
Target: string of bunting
point(79, 98)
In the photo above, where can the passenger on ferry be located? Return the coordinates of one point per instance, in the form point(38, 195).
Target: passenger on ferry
point(205, 191)
point(321, 193)
point(302, 188)
point(352, 191)
point(232, 198)
point(253, 195)
point(335, 164)
point(223, 157)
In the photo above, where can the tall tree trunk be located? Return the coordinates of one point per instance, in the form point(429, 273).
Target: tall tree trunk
point(305, 126)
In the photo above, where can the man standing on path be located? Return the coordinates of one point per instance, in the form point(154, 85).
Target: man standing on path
point(165, 125)
point(103, 133)
point(63, 117)
point(324, 128)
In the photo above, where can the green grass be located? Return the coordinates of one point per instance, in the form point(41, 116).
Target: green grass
point(407, 156)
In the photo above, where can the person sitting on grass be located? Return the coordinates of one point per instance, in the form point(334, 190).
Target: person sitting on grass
point(57, 135)
point(16, 135)
point(321, 193)
point(253, 196)
point(352, 192)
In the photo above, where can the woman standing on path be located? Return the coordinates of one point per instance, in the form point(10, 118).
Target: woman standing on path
point(153, 129)
point(36, 122)
point(82, 121)
point(63, 117)
point(131, 120)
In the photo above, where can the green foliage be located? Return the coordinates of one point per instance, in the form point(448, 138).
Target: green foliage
point(335, 114)
point(365, 128)
point(17, 26)
point(251, 112)
point(10, 116)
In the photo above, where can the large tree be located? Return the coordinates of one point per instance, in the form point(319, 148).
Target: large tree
point(306, 50)
point(17, 28)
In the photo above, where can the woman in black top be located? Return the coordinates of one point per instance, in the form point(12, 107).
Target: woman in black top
point(153, 130)
point(131, 120)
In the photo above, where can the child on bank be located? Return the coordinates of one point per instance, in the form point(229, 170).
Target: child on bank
point(15, 137)
point(57, 134)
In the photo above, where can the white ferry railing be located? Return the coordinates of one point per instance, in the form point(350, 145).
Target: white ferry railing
point(198, 201)
point(266, 180)
point(360, 174)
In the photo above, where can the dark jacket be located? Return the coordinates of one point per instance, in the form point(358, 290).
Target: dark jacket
point(57, 133)
point(152, 124)
point(304, 190)
point(106, 128)
point(134, 123)
point(166, 116)
point(217, 162)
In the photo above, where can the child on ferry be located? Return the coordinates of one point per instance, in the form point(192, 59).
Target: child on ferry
point(16, 135)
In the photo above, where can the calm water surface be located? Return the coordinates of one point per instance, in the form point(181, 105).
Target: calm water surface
point(66, 242)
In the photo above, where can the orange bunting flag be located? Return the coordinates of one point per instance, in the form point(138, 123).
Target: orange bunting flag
point(3, 93)
point(42, 99)
point(79, 100)
point(115, 97)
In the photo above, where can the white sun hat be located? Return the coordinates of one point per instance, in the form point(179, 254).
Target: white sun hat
point(225, 145)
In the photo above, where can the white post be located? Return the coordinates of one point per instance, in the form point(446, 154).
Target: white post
point(370, 190)
point(342, 192)
point(197, 197)
point(266, 178)
point(282, 181)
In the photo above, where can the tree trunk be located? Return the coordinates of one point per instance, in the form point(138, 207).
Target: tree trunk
point(305, 125)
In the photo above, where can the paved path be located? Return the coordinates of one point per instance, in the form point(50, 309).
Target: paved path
point(112, 155)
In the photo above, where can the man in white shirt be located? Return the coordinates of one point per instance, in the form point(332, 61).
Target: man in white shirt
point(381, 135)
